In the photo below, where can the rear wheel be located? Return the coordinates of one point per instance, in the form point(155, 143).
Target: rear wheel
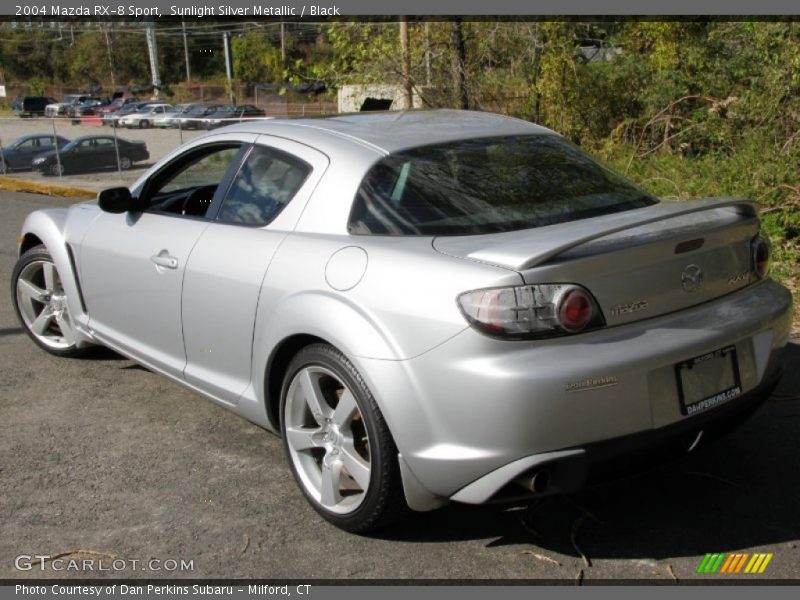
point(338, 445)
point(3, 168)
point(125, 162)
point(41, 304)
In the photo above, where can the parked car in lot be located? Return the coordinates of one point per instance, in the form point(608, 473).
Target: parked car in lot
point(428, 306)
point(87, 108)
point(91, 153)
point(115, 105)
point(61, 109)
point(113, 117)
point(30, 106)
point(144, 117)
point(17, 156)
point(232, 113)
point(195, 117)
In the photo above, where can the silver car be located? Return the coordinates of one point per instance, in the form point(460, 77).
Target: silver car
point(428, 306)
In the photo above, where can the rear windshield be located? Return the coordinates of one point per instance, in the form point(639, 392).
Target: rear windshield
point(488, 185)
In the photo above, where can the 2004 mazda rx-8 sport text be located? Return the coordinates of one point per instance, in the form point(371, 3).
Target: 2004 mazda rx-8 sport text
point(429, 306)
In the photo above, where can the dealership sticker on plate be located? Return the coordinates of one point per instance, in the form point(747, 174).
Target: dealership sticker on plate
point(709, 380)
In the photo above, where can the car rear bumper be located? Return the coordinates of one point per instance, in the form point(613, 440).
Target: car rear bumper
point(474, 406)
point(571, 469)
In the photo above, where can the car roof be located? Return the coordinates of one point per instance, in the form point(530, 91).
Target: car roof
point(95, 137)
point(388, 132)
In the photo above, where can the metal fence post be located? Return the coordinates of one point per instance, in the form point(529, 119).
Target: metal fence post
point(116, 149)
point(180, 130)
point(3, 165)
point(58, 152)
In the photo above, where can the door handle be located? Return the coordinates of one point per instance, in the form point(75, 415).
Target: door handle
point(163, 259)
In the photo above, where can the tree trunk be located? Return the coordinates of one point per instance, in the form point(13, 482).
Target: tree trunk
point(459, 52)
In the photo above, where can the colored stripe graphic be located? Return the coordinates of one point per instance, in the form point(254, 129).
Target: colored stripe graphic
point(724, 563)
point(741, 562)
point(765, 563)
point(702, 567)
point(718, 564)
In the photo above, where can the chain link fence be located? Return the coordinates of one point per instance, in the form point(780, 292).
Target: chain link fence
point(96, 153)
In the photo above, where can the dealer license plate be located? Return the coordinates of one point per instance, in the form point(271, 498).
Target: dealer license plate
point(709, 380)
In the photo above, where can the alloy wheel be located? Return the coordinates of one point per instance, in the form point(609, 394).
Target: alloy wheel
point(43, 305)
point(327, 440)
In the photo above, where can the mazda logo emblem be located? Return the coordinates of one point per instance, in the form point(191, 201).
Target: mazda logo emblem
point(692, 278)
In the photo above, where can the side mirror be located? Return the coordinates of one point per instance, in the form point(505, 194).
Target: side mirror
point(116, 200)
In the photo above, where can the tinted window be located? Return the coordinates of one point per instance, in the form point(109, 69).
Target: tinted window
point(488, 185)
point(265, 184)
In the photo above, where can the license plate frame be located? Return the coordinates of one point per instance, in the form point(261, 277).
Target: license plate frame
point(695, 375)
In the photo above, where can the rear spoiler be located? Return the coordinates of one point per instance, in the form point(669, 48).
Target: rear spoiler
point(527, 249)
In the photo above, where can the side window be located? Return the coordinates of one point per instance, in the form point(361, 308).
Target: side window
point(104, 143)
point(187, 185)
point(27, 145)
point(264, 185)
point(45, 142)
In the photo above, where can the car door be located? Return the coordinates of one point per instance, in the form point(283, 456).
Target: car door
point(104, 154)
point(228, 265)
point(132, 265)
point(23, 154)
point(81, 157)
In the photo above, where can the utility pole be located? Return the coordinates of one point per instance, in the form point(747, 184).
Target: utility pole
point(153, 50)
point(427, 54)
point(110, 59)
point(407, 88)
point(228, 66)
point(186, 52)
point(283, 44)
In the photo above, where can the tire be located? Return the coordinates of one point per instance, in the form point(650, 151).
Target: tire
point(144, 124)
point(125, 163)
point(3, 168)
point(40, 303)
point(342, 456)
point(56, 169)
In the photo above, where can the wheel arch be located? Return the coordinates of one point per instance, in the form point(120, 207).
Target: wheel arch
point(46, 228)
point(277, 366)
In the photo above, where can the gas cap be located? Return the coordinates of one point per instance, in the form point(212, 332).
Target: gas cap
point(345, 268)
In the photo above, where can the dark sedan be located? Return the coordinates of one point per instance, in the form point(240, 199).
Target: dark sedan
point(232, 113)
point(19, 153)
point(91, 153)
point(195, 117)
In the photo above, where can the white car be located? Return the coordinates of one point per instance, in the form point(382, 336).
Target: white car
point(145, 118)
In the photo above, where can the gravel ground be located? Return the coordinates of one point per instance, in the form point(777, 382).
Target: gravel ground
point(100, 455)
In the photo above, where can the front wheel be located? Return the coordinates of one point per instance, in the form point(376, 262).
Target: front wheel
point(56, 169)
point(41, 304)
point(338, 445)
point(144, 124)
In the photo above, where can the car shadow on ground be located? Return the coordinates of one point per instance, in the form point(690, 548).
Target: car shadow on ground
point(739, 492)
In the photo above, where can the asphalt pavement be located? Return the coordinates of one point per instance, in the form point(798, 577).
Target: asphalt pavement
point(101, 459)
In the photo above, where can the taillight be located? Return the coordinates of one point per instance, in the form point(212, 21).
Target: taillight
point(531, 311)
point(761, 256)
point(575, 310)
